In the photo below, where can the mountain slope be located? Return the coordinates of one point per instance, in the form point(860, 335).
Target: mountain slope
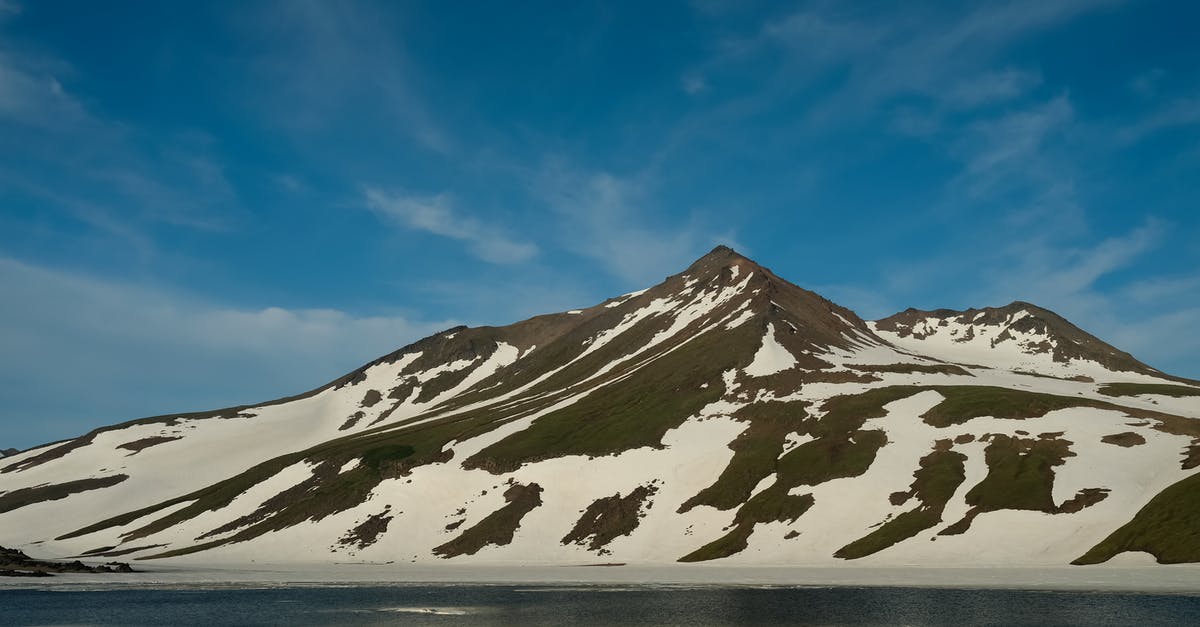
point(722, 414)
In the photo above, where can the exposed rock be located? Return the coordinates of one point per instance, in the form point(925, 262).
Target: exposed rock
point(14, 563)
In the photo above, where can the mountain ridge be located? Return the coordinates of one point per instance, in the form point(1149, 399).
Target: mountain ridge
point(724, 413)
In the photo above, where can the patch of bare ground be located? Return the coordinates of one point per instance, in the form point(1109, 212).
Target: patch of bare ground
point(55, 491)
point(368, 531)
point(1126, 439)
point(14, 563)
point(138, 446)
point(934, 483)
point(1079, 378)
point(371, 398)
point(498, 527)
point(609, 517)
point(352, 420)
point(1021, 477)
point(842, 448)
point(112, 551)
point(949, 369)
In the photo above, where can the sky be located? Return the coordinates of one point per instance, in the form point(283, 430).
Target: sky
point(205, 204)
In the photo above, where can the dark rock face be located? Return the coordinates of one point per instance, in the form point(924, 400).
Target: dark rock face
point(609, 517)
point(8, 452)
point(14, 563)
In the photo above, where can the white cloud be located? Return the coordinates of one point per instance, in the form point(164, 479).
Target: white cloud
point(603, 217)
point(82, 352)
point(1012, 142)
point(34, 97)
point(8, 9)
point(326, 60)
point(435, 214)
point(1177, 113)
point(694, 84)
point(990, 87)
point(944, 56)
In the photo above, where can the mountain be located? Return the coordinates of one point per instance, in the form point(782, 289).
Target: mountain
point(5, 452)
point(723, 414)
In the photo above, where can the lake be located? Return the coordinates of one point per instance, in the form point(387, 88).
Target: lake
point(441, 604)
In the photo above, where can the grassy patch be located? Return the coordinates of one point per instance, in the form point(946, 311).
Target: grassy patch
point(1020, 474)
point(732, 543)
point(755, 453)
point(368, 531)
point(628, 414)
point(1126, 439)
point(1135, 389)
point(965, 402)
point(609, 517)
point(939, 476)
point(1168, 528)
point(17, 499)
point(386, 456)
point(771, 505)
point(138, 446)
point(842, 449)
point(949, 369)
point(845, 414)
point(498, 527)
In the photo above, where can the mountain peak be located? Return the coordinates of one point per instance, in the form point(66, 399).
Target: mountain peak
point(719, 257)
point(1024, 327)
point(724, 386)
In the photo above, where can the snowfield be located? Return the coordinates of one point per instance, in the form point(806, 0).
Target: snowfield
point(658, 424)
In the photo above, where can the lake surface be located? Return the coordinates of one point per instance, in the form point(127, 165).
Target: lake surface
point(606, 605)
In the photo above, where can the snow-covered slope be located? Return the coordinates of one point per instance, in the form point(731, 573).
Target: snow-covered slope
point(724, 414)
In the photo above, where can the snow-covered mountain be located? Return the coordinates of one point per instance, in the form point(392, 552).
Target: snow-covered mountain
point(724, 414)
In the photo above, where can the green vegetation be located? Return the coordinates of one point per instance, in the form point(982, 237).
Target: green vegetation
point(731, 543)
point(940, 474)
point(841, 450)
point(138, 446)
point(950, 369)
point(53, 492)
point(498, 527)
point(633, 413)
point(1135, 389)
point(1079, 378)
point(965, 402)
point(1020, 474)
point(755, 453)
point(844, 414)
point(1126, 439)
point(609, 517)
point(386, 455)
point(1168, 528)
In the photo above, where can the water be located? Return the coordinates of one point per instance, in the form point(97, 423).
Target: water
point(590, 605)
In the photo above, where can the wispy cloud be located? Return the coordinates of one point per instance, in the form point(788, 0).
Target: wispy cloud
point(32, 95)
point(143, 349)
point(325, 60)
point(436, 214)
point(9, 9)
point(694, 84)
point(104, 172)
point(944, 56)
point(998, 150)
point(604, 217)
point(1174, 114)
point(989, 88)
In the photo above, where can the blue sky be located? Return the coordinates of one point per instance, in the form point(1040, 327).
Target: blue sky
point(205, 204)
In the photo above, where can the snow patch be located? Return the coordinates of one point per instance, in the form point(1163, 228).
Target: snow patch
point(771, 357)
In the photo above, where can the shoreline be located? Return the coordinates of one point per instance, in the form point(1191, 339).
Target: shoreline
point(1158, 579)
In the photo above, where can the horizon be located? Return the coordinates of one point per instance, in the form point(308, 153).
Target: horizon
point(216, 204)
